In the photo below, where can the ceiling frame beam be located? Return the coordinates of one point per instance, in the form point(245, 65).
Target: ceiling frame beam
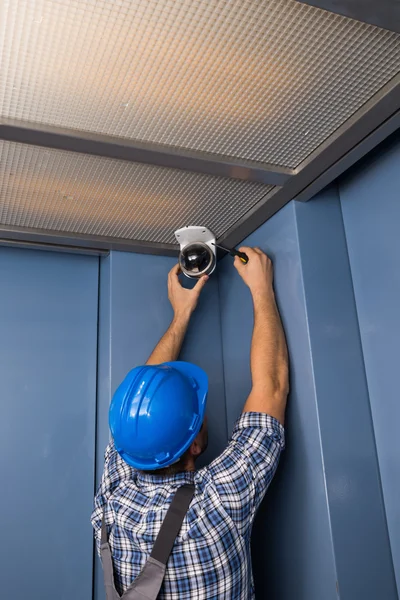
point(142, 152)
point(381, 13)
point(95, 243)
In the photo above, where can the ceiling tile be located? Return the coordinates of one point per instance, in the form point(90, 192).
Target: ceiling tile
point(69, 192)
point(264, 80)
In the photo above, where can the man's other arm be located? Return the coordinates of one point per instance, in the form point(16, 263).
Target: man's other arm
point(269, 356)
point(184, 302)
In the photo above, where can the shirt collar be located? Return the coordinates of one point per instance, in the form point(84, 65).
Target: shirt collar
point(177, 479)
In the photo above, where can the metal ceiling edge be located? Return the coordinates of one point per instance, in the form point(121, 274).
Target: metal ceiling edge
point(371, 115)
point(381, 13)
point(378, 116)
point(356, 154)
point(25, 245)
point(84, 242)
point(136, 151)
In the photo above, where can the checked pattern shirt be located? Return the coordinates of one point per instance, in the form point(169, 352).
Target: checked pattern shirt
point(211, 557)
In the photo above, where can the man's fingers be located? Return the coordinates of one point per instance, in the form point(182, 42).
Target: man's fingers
point(238, 264)
point(248, 251)
point(174, 272)
point(254, 250)
point(200, 284)
point(173, 279)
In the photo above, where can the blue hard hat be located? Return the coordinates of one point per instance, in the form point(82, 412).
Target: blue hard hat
point(157, 412)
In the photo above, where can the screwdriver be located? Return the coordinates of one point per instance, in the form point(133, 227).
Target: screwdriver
point(243, 257)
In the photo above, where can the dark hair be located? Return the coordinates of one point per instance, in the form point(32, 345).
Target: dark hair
point(174, 469)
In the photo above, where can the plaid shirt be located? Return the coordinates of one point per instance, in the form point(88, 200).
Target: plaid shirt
point(211, 558)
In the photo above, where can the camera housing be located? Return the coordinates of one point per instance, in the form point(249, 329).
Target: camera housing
point(197, 256)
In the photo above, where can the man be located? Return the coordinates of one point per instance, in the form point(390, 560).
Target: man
point(211, 557)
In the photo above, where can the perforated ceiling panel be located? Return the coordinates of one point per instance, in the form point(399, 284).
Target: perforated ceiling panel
point(64, 191)
point(266, 80)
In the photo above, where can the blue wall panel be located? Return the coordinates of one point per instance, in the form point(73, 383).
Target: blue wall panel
point(48, 325)
point(371, 212)
point(362, 551)
point(140, 310)
point(292, 545)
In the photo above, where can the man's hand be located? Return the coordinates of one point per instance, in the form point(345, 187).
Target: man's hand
point(257, 273)
point(183, 301)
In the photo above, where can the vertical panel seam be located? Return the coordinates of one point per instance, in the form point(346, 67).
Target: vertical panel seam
point(222, 356)
point(96, 417)
point(328, 509)
point(367, 385)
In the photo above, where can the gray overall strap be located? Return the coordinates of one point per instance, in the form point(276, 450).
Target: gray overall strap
point(172, 524)
point(106, 559)
point(147, 584)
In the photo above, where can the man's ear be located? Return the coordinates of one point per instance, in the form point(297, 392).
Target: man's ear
point(195, 448)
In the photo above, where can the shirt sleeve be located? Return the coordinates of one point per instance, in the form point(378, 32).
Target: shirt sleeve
point(243, 472)
point(115, 471)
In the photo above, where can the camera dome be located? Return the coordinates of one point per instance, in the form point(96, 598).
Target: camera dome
point(196, 259)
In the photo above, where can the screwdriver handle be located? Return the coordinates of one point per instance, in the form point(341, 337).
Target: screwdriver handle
point(243, 257)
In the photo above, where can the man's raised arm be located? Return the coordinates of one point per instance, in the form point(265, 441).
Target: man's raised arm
point(269, 357)
point(183, 302)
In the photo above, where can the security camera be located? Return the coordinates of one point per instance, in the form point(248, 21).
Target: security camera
point(197, 256)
